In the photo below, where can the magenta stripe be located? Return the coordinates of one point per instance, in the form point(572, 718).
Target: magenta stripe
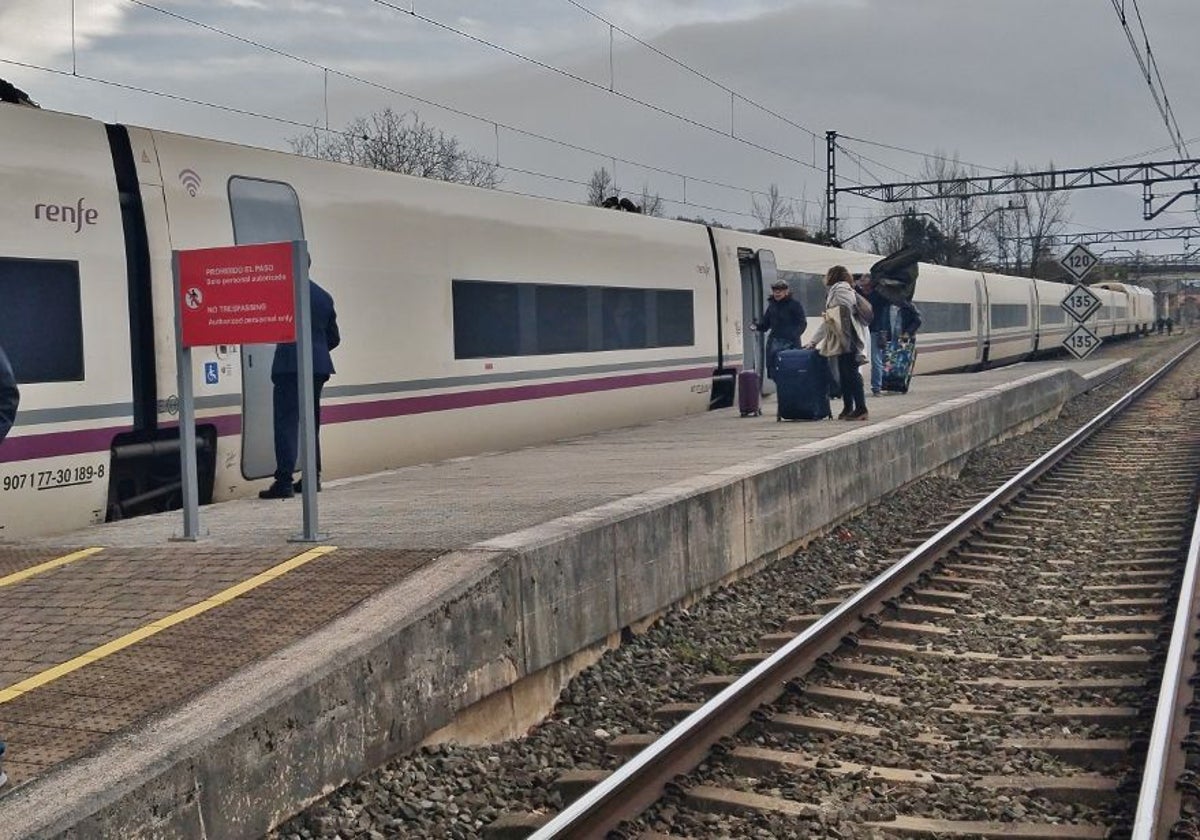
point(30, 447)
point(348, 412)
point(54, 444)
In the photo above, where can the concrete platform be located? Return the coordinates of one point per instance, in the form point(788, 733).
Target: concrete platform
point(151, 688)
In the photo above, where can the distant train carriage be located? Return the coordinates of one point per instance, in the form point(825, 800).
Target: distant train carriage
point(1010, 302)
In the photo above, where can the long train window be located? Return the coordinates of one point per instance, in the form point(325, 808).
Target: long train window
point(493, 320)
point(1053, 314)
point(942, 317)
point(41, 323)
point(1009, 315)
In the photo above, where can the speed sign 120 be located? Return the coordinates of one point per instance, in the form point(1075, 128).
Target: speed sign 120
point(1078, 261)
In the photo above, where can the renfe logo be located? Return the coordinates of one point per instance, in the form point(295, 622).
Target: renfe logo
point(77, 215)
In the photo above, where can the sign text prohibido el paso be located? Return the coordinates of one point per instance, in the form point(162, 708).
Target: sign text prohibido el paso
point(237, 295)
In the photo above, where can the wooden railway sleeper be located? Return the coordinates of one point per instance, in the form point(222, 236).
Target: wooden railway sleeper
point(1185, 829)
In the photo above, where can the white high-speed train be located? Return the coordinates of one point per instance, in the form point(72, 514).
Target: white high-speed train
point(472, 320)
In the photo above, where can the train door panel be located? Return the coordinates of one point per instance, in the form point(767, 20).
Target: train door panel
point(263, 211)
point(758, 272)
point(981, 322)
point(1035, 318)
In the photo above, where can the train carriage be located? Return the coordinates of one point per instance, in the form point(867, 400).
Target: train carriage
point(1010, 318)
point(1053, 323)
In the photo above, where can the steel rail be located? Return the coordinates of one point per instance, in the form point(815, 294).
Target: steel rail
point(640, 781)
point(1171, 722)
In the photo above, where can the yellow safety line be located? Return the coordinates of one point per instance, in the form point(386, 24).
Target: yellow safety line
point(17, 577)
point(95, 654)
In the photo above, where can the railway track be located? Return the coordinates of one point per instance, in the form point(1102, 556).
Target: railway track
point(1005, 678)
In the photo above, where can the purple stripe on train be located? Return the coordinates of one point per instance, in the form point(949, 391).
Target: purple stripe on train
point(28, 447)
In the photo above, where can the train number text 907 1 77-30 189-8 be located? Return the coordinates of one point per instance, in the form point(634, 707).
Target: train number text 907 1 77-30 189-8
point(52, 479)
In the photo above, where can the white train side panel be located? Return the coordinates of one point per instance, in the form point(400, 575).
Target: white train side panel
point(63, 321)
point(461, 310)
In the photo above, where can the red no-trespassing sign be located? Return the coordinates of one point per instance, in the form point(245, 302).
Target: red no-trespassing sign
point(243, 294)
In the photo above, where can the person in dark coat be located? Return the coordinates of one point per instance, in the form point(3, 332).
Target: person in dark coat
point(9, 395)
point(286, 397)
point(784, 318)
point(880, 327)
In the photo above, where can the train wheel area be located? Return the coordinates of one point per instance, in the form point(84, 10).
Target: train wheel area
point(225, 683)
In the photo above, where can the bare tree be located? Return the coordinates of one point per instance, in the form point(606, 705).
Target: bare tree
point(600, 187)
point(887, 236)
point(1018, 236)
point(774, 210)
point(651, 203)
point(400, 143)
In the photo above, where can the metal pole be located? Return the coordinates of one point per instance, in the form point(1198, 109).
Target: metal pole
point(831, 219)
point(304, 375)
point(187, 421)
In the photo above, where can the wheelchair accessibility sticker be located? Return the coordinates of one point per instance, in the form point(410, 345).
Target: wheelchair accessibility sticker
point(211, 374)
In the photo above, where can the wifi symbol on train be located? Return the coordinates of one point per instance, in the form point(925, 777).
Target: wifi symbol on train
point(190, 181)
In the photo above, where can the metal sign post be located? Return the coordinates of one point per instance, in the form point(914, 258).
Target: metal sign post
point(187, 414)
point(1080, 303)
point(304, 376)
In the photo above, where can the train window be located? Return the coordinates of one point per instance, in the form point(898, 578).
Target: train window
point(674, 318)
point(939, 316)
point(264, 211)
point(493, 320)
point(41, 321)
point(1009, 315)
point(486, 316)
point(624, 318)
point(1053, 314)
point(562, 319)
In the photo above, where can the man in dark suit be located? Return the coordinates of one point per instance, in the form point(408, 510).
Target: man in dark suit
point(286, 397)
point(9, 395)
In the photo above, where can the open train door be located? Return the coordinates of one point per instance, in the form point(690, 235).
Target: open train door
point(263, 211)
point(758, 273)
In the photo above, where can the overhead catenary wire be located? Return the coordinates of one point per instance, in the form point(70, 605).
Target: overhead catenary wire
point(430, 102)
point(246, 112)
point(698, 73)
point(1151, 74)
point(731, 135)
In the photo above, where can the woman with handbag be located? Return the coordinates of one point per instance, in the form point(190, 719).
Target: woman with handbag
point(840, 337)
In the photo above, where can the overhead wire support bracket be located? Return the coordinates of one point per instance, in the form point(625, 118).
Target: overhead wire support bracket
point(1052, 180)
point(1106, 236)
point(1148, 200)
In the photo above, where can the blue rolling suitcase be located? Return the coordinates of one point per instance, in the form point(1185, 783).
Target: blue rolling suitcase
point(898, 359)
point(802, 386)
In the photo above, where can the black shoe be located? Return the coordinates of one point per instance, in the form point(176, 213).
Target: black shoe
point(278, 490)
point(299, 485)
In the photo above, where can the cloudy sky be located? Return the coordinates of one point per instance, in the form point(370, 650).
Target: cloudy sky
point(991, 82)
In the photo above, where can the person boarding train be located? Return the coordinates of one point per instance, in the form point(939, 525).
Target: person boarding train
point(286, 397)
point(784, 318)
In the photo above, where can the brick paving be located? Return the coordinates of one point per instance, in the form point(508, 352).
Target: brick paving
point(54, 617)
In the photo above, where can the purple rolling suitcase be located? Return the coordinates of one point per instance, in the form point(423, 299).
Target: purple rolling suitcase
point(748, 392)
